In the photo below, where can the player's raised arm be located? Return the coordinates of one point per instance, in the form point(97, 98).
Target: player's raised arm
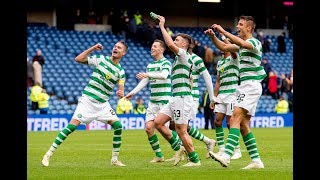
point(234, 55)
point(220, 44)
point(235, 39)
point(83, 57)
point(167, 38)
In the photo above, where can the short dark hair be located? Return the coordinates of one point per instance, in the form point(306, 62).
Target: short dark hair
point(251, 19)
point(162, 44)
point(185, 36)
point(125, 44)
point(193, 43)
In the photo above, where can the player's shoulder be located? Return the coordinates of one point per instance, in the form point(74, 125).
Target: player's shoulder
point(195, 57)
point(165, 61)
point(254, 41)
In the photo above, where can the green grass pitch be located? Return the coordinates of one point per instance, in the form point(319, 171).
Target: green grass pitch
point(87, 154)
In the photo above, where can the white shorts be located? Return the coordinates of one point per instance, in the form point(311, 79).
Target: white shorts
point(88, 110)
point(153, 110)
point(248, 95)
point(195, 108)
point(225, 108)
point(227, 105)
point(180, 109)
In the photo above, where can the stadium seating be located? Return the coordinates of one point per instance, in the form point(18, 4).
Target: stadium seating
point(65, 79)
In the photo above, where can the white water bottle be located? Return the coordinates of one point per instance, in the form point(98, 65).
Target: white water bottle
point(154, 15)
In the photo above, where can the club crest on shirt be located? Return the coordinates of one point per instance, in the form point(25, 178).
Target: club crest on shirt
point(108, 76)
point(221, 69)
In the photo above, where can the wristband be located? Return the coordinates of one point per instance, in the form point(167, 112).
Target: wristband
point(223, 38)
point(121, 82)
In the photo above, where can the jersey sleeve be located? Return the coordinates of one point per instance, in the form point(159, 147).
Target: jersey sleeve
point(122, 77)
point(256, 45)
point(94, 60)
point(199, 65)
point(166, 66)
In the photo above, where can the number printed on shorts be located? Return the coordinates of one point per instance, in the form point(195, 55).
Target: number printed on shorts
point(176, 113)
point(240, 97)
point(231, 106)
point(112, 112)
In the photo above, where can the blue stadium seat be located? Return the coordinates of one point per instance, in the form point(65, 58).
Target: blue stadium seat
point(70, 111)
point(74, 106)
point(59, 94)
point(31, 112)
point(49, 90)
point(63, 102)
point(58, 107)
point(54, 112)
point(62, 112)
point(269, 110)
point(70, 99)
point(54, 101)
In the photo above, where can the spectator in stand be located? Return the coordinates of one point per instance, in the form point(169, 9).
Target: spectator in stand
point(138, 18)
point(281, 43)
point(92, 17)
point(284, 86)
point(287, 25)
point(272, 85)
point(279, 82)
point(260, 37)
point(30, 75)
point(266, 46)
point(207, 111)
point(208, 58)
point(267, 68)
point(199, 49)
point(124, 106)
point(275, 22)
point(290, 93)
point(43, 101)
point(113, 19)
point(79, 17)
point(124, 25)
point(132, 28)
point(150, 34)
point(37, 63)
point(34, 95)
point(282, 106)
point(140, 108)
point(218, 55)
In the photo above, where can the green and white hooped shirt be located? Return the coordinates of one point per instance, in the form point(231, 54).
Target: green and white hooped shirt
point(160, 88)
point(198, 68)
point(250, 62)
point(228, 70)
point(181, 73)
point(104, 77)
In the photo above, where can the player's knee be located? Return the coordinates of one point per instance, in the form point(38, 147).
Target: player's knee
point(158, 124)
point(149, 129)
point(218, 122)
point(172, 126)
